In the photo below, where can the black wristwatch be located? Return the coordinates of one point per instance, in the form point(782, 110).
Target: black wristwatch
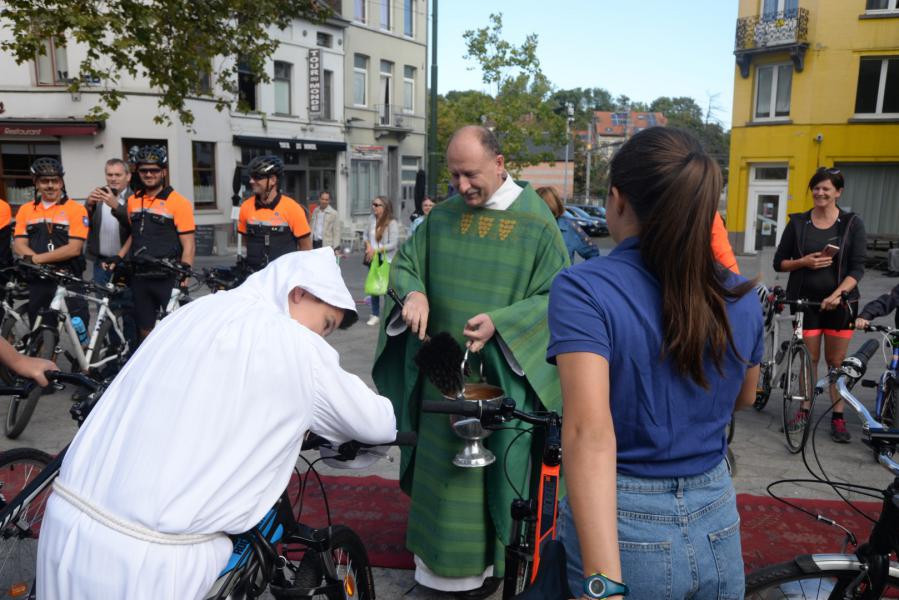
point(600, 586)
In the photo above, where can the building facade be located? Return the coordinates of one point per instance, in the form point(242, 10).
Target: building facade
point(816, 84)
point(306, 115)
point(385, 82)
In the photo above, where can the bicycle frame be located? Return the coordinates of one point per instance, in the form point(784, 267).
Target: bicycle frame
point(888, 374)
point(59, 306)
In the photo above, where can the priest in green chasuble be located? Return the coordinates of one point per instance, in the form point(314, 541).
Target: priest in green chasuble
point(479, 267)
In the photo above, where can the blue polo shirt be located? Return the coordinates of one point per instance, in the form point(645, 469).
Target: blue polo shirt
point(665, 424)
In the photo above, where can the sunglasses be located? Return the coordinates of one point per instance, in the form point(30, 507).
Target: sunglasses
point(829, 171)
point(259, 177)
point(149, 171)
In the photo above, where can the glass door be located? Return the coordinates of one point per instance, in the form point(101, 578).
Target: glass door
point(766, 219)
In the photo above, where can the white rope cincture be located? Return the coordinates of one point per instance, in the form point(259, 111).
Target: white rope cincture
point(133, 530)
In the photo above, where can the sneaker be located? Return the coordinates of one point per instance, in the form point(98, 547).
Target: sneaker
point(838, 431)
point(798, 423)
point(373, 320)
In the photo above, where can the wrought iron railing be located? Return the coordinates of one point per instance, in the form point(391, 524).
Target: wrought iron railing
point(771, 30)
point(390, 115)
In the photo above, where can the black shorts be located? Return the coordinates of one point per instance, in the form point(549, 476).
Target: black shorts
point(836, 319)
point(40, 295)
point(150, 294)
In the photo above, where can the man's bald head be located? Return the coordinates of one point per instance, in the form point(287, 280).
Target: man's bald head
point(476, 164)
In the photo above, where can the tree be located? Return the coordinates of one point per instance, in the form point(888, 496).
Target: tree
point(585, 102)
point(684, 112)
point(172, 43)
point(518, 108)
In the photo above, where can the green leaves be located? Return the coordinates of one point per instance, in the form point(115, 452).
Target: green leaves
point(174, 44)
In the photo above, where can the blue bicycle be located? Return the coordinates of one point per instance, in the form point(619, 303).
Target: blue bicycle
point(886, 406)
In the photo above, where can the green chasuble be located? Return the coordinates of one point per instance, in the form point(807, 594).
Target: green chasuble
point(470, 261)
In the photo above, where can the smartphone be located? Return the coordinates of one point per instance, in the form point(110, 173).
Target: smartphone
point(830, 250)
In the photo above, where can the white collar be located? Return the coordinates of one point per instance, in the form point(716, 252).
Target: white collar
point(504, 196)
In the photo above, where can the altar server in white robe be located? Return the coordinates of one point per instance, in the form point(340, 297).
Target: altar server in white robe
point(199, 433)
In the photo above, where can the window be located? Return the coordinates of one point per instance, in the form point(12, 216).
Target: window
point(359, 13)
point(365, 184)
point(878, 86)
point(204, 84)
point(408, 89)
point(327, 94)
point(282, 87)
point(877, 6)
point(385, 14)
point(246, 86)
point(408, 19)
point(410, 166)
point(51, 63)
point(770, 173)
point(360, 79)
point(325, 40)
point(770, 8)
point(384, 92)
point(619, 119)
point(772, 95)
point(15, 164)
point(204, 174)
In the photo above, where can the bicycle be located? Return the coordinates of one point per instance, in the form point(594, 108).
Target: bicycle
point(768, 368)
point(868, 572)
point(796, 380)
point(180, 294)
point(106, 349)
point(534, 560)
point(14, 325)
point(886, 403)
point(25, 477)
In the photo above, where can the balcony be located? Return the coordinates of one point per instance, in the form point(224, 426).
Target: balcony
point(785, 31)
point(391, 120)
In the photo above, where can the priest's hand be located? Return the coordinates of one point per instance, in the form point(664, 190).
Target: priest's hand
point(479, 329)
point(415, 313)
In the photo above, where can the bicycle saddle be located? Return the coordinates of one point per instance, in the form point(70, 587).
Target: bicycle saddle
point(551, 582)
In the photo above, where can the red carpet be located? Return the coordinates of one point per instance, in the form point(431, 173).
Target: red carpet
point(376, 509)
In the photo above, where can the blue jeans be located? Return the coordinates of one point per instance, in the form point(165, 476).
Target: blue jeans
point(678, 538)
point(375, 306)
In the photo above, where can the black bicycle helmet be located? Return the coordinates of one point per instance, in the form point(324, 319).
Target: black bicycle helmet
point(148, 155)
point(47, 167)
point(266, 166)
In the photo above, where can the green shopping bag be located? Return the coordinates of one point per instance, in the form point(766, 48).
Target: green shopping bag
point(378, 275)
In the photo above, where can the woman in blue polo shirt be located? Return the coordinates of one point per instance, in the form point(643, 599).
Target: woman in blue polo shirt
point(656, 346)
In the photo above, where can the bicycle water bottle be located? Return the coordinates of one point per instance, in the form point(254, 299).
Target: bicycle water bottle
point(80, 329)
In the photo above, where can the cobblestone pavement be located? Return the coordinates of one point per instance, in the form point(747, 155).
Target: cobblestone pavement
point(758, 445)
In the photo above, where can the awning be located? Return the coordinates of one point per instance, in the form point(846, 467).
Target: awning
point(28, 128)
point(289, 144)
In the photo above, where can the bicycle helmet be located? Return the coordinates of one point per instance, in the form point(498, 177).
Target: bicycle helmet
point(47, 167)
point(148, 155)
point(266, 166)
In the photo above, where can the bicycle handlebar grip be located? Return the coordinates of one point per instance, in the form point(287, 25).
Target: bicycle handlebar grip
point(452, 407)
point(867, 350)
point(405, 438)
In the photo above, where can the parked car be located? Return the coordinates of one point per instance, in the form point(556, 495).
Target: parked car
point(592, 210)
point(596, 226)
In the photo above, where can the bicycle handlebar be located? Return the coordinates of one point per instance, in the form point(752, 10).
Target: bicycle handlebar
point(165, 263)
point(349, 450)
point(490, 414)
point(63, 278)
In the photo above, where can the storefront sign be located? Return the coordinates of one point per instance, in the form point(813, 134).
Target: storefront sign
point(368, 151)
point(315, 82)
point(38, 130)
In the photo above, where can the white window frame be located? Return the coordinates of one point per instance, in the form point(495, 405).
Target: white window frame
point(881, 89)
point(364, 72)
point(771, 118)
point(409, 96)
point(409, 9)
point(388, 4)
point(781, 7)
point(892, 8)
point(53, 49)
point(289, 80)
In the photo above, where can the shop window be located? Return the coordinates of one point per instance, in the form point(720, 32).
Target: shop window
point(16, 186)
point(204, 174)
point(365, 184)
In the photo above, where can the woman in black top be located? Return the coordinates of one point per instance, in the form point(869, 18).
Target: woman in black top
point(822, 275)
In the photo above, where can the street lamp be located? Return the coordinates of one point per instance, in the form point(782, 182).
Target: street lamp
point(569, 107)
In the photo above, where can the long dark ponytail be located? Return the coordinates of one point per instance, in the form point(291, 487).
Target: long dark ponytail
point(673, 187)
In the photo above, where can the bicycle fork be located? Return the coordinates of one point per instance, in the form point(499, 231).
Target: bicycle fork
point(534, 522)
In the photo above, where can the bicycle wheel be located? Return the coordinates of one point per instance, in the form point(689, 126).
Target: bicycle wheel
point(19, 412)
point(12, 331)
point(18, 540)
point(805, 577)
point(888, 406)
point(108, 344)
point(798, 393)
point(346, 564)
point(766, 371)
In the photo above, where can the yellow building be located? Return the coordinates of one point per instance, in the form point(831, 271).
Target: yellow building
point(816, 84)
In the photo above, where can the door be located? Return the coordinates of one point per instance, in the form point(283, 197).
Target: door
point(765, 219)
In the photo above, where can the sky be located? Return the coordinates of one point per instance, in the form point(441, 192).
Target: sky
point(643, 49)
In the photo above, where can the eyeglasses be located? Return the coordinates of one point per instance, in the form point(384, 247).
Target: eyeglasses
point(149, 171)
point(376, 205)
